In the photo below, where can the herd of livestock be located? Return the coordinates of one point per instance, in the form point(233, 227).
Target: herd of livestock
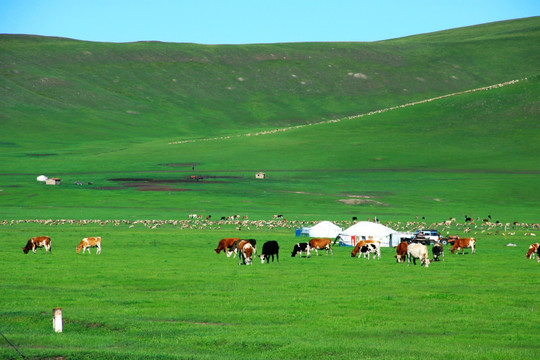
point(246, 249)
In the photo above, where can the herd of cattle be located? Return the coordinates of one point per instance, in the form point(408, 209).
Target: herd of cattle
point(247, 248)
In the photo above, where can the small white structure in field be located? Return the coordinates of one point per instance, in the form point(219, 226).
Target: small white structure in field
point(260, 175)
point(57, 320)
point(42, 178)
point(53, 181)
point(365, 230)
point(324, 229)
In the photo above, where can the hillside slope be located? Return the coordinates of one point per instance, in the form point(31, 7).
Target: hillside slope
point(53, 88)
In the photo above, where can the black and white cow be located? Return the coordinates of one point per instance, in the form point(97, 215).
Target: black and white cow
point(438, 251)
point(370, 248)
point(270, 248)
point(300, 248)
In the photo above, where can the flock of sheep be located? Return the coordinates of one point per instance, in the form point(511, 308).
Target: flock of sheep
point(472, 227)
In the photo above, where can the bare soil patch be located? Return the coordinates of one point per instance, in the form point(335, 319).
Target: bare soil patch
point(150, 184)
point(357, 201)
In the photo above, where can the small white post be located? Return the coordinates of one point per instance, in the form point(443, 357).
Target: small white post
point(57, 320)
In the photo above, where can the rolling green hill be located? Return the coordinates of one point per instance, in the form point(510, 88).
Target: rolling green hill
point(98, 111)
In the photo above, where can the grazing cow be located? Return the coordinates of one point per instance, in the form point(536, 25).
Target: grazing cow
point(462, 244)
point(234, 249)
point(270, 248)
point(438, 251)
point(417, 251)
point(300, 248)
point(371, 248)
point(38, 242)
point(245, 253)
point(225, 244)
point(532, 251)
point(359, 245)
point(88, 243)
point(319, 244)
point(401, 251)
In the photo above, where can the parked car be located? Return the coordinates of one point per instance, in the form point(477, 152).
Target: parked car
point(428, 237)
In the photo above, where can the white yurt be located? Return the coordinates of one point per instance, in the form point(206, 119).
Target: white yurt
point(365, 230)
point(324, 229)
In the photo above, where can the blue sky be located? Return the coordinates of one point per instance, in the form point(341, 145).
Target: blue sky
point(250, 21)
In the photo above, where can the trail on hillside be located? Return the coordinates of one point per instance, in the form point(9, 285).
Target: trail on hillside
point(274, 131)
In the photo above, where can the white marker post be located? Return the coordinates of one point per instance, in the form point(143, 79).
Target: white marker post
point(57, 320)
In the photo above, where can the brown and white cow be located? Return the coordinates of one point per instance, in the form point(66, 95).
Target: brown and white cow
point(225, 245)
point(245, 253)
point(38, 242)
point(358, 247)
point(462, 244)
point(401, 251)
point(234, 249)
point(417, 251)
point(531, 254)
point(320, 244)
point(90, 242)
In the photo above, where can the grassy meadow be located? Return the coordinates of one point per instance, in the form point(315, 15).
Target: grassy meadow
point(471, 162)
point(167, 295)
point(158, 131)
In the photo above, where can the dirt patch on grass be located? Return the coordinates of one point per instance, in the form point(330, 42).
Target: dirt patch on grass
point(361, 200)
point(150, 184)
point(357, 201)
point(159, 188)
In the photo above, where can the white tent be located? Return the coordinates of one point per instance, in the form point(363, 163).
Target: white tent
point(365, 230)
point(325, 229)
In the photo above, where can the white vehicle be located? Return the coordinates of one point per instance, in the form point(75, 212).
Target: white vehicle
point(427, 237)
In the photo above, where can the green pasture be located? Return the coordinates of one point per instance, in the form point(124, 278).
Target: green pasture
point(447, 158)
point(134, 123)
point(165, 294)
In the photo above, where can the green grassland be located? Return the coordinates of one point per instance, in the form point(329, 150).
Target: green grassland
point(92, 112)
point(134, 122)
point(169, 296)
point(472, 161)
